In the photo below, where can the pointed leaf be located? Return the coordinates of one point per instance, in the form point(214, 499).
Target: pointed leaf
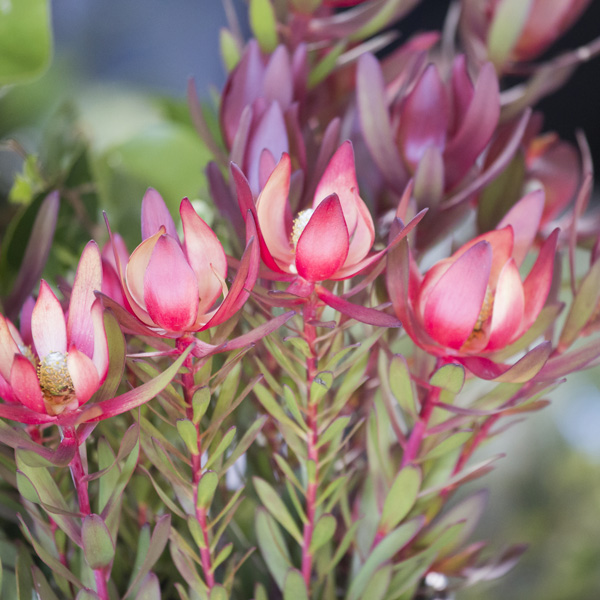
point(136, 397)
point(401, 498)
point(384, 551)
point(274, 504)
point(370, 316)
point(263, 24)
point(324, 531)
point(294, 587)
point(98, 546)
point(272, 546)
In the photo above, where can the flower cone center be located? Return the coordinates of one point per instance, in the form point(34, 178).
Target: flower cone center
point(55, 381)
point(300, 223)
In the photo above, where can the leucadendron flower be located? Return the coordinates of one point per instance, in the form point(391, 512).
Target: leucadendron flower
point(435, 132)
point(173, 287)
point(475, 302)
point(505, 31)
point(329, 240)
point(58, 360)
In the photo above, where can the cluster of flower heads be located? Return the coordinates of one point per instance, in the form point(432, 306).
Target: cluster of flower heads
point(432, 133)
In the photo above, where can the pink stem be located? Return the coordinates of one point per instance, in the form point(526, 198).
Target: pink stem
point(189, 385)
point(420, 429)
point(78, 473)
point(311, 441)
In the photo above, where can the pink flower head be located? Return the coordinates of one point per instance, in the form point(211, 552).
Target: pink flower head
point(435, 133)
point(475, 301)
point(173, 287)
point(330, 240)
point(505, 31)
point(259, 110)
point(67, 359)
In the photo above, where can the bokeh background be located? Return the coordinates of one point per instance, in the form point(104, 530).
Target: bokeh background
point(118, 78)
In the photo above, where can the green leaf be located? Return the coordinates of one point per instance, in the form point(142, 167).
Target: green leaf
point(378, 585)
point(501, 195)
point(223, 555)
point(384, 551)
point(200, 403)
point(106, 462)
point(292, 402)
point(228, 389)
point(507, 24)
point(401, 497)
point(150, 588)
point(98, 546)
point(584, 304)
point(466, 514)
point(221, 447)
point(321, 385)
point(332, 488)
point(323, 532)
point(41, 585)
point(25, 40)
point(206, 488)
point(272, 407)
point(27, 489)
point(294, 587)
point(116, 354)
point(401, 385)
point(23, 574)
point(259, 592)
point(244, 443)
point(219, 593)
point(272, 546)
point(326, 65)
point(450, 377)
point(343, 546)
point(86, 594)
point(456, 440)
point(188, 433)
point(230, 51)
point(46, 557)
point(49, 495)
point(158, 541)
point(263, 24)
point(274, 504)
point(335, 429)
point(168, 502)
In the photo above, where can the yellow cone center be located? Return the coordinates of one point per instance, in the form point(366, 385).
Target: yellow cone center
point(300, 223)
point(56, 383)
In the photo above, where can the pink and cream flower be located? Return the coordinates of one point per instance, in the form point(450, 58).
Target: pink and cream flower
point(58, 360)
point(475, 302)
point(173, 287)
point(329, 240)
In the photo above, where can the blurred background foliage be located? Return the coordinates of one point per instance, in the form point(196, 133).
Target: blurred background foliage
point(109, 118)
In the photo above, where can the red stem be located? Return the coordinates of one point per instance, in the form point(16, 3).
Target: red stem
point(311, 442)
point(78, 473)
point(189, 385)
point(420, 429)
